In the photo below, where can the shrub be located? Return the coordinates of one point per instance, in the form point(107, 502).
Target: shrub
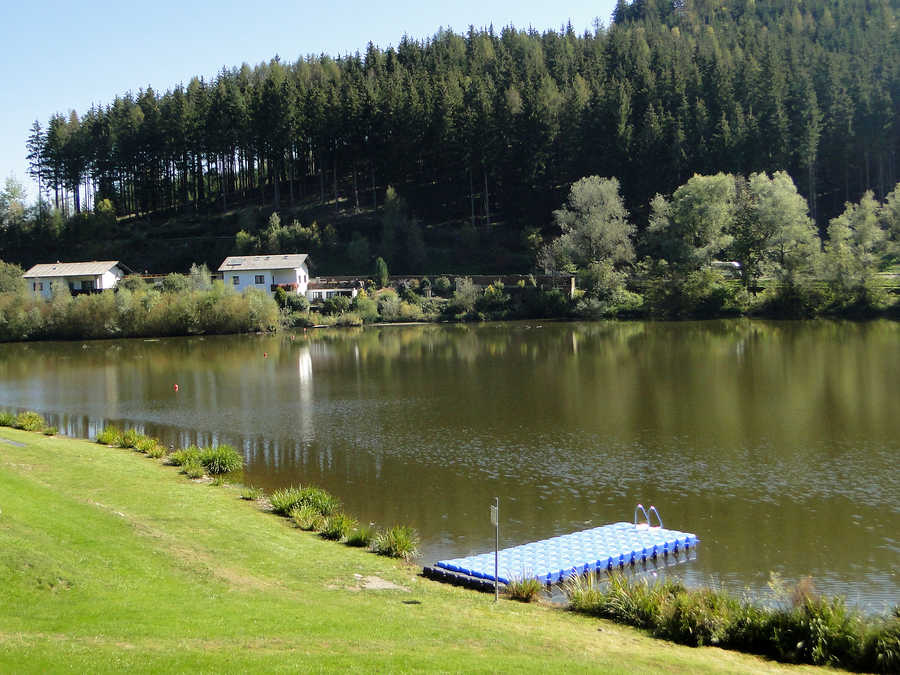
point(221, 459)
point(128, 438)
point(307, 518)
point(218, 481)
point(337, 527)
point(524, 589)
point(400, 541)
point(50, 431)
point(109, 436)
point(29, 421)
point(188, 455)
point(7, 419)
point(193, 469)
point(251, 493)
point(442, 286)
point(361, 536)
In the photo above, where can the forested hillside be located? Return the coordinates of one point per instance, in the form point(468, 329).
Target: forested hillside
point(483, 134)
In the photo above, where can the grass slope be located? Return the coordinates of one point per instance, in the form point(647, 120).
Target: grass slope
point(109, 561)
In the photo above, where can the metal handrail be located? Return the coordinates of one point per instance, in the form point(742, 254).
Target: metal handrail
point(640, 507)
point(658, 519)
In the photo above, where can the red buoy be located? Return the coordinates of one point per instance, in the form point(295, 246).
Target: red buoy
point(265, 355)
point(174, 387)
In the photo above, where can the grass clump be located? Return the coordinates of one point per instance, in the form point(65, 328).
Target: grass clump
point(321, 500)
point(524, 589)
point(881, 652)
point(145, 444)
point(805, 628)
point(287, 499)
point(109, 436)
point(361, 536)
point(400, 541)
point(221, 459)
point(157, 450)
point(252, 494)
point(188, 455)
point(633, 603)
point(7, 419)
point(337, 527)
point(307, 518)
point(193, 469)
point(128, 438)
point(50, 431)
point(29, 421)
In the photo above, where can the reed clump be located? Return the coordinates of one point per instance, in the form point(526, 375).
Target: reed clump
point(188, 455)
point(128, 438)
point(400, 541)
point(221, 459)
point(109, 435)
point(252, 494)
point(803, 628)
point(7, 419)
point(524, 589)
point(337, 527)
point(361, 536)
point(307, 518)
point(30, 421)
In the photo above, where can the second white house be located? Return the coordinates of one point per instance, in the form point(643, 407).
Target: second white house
point(267, 272)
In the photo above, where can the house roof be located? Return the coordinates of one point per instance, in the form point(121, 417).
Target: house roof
point(70, 269)
point(263, 262)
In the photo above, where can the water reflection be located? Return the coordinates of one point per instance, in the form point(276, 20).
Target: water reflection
point(776, 442)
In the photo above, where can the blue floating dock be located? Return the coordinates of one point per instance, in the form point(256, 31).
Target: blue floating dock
point(552, 560)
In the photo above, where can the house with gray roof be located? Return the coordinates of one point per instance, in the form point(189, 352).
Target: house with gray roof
point(267, 272)
point(81, 277)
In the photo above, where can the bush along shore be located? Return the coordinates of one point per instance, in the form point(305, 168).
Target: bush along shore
point(803, 628)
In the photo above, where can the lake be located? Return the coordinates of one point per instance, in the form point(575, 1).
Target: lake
point(777, 443)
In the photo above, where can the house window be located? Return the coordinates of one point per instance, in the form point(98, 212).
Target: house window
point(235, 280)
point(260, 278)
point(40, 285)
point(87, 284)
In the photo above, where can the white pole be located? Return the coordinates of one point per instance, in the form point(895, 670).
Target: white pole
point(497, 550)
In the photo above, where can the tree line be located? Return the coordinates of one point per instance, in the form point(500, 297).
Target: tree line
point(725, 245)
point(486, 130)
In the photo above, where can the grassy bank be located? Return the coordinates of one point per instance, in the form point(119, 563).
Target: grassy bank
point(110, 561)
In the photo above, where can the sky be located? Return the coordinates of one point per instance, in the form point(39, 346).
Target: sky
point(62, 56)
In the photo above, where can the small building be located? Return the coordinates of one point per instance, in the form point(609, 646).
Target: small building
point(322, 288)
point(81, 277)
point(267, 272)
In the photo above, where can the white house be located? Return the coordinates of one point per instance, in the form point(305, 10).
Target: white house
point(267, 272)
point(80, 277)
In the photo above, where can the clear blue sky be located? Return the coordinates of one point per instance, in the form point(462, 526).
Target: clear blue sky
point(60, 56)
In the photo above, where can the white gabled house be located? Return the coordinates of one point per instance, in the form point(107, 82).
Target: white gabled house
point(80, 277)
point(267, 272)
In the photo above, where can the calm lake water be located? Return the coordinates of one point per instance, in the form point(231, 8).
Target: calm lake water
point(777, 443)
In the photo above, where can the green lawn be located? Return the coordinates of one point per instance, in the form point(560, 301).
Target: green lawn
point(110, 561)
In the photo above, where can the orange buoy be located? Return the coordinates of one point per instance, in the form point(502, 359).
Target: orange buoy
point(174, 387)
